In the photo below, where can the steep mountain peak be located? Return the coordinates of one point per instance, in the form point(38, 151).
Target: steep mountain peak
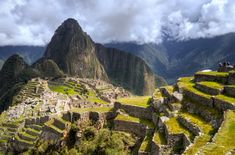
point(74, 51)
point(13, 66)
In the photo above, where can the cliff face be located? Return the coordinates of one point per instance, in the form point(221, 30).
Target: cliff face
point(74, 51)
point(126, 69)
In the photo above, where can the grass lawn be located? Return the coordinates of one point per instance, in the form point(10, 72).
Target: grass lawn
point(224, 139)
point(159, 138)
point(93, 98)
point(135, 119)
point(211, 84)
point(226, 98)
point(142, 101)
point(146, 144)
point(174, 127)
point(214, 73)
point(202, 139)
point(63, 89)
point(196, 91)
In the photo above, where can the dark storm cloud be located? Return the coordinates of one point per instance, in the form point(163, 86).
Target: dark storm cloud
point(33, 22)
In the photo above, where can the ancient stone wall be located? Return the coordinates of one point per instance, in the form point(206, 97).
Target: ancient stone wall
point(135, 111)
point(38, 120)
point(198, 98)
point(223, 105)
point(213, 78)
point(130, 127)
point(231, 78)
point(208, 90)
point(229, 90)
point(189, 125)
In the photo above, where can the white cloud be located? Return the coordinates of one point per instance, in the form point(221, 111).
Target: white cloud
point(32, 22)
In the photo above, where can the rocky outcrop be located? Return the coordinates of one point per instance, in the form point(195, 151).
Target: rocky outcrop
point(74, 51)
point(127, 70)
point(47, 68)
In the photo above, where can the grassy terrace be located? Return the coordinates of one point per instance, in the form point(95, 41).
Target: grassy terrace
point(185, 81)
point(63, 89)
point(203, 125)
point(24, 141)
point(157, 94)
point(213, 73)
point(159, 138)
point(211, 111)
point(50, 124)
point(174, 127)
point(226, 98)
point(212, 84)
point(224, 139)
point(146, 144)
point(196, 91)
point(97, 109)
point(93, 98)
point(142, 101)
point(135, 119)
point(202, 139)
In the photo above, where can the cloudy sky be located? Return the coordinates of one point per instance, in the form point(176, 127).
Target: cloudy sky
point(33, 22)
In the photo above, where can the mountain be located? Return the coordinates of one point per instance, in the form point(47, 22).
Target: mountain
point(9, 74)
point(77, 55)
point(74, 51)
point(29, 53)
point(127, 70)
point(173, 59)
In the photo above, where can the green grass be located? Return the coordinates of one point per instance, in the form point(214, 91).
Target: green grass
point(203, 125)
point(212, 84)
point(226, 98)
point(157, 94)
point(214, 73)
point(142, 101)
point(196, 91)
point(159, 138)
point(146, 144)
point(135, 119)
point(93, 98)
point(174, 127)
point(22, 140)
point(224, 139)
point(202, 139)
point(185, 81)
point(97, 109)
point(211, 111)
point(63, 89)
point(50, 124)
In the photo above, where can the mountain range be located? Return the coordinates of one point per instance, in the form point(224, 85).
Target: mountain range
point(170, 59)
point(71, 52)
point(173, 59)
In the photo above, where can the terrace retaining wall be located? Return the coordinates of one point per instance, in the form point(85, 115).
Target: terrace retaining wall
point(135, 111)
